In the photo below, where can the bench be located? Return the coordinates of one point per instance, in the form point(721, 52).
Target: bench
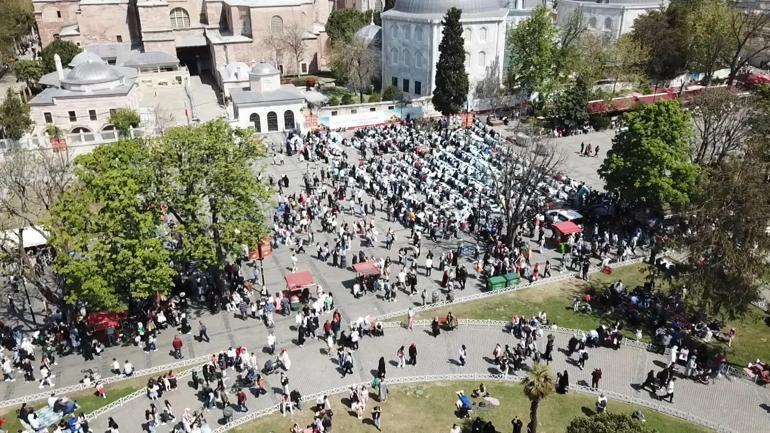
point(445, 324)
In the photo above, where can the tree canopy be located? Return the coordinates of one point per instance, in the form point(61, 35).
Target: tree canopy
point(105, 229)
point(203, 175)
point(28, 71)
point(14, 116)
point(342, 24)
point(124, 119)
point(65, 49)
point(452, 86)
point(649, 162)
point(665, 35)
point(16, 20)
point(607, 423)
point(533, 50)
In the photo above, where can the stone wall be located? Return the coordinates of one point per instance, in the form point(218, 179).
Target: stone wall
point(101, 104)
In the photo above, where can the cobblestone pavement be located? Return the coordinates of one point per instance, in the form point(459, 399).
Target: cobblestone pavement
point(733, 404)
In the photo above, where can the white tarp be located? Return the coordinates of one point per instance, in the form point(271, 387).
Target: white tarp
point(31, 237)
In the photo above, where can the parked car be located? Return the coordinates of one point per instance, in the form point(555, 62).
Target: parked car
point(554, 216)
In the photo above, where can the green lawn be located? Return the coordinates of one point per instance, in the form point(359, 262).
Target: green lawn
point(555, 299)
point(87, 400)
point(430, 408)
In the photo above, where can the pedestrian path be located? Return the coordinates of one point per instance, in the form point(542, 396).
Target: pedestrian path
point(736, 405)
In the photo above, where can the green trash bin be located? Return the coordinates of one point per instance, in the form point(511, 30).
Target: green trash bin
point(512, 279)
point(496, 283)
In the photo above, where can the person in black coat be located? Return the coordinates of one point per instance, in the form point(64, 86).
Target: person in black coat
point(381, 368)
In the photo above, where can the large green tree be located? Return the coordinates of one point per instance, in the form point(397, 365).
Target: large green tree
point(728, 253)
point(14, 116)
point(451, 90)
point(538, 385)
point(65, 49)
point(204, 176)
point(342, 24)
point(16, 20)
point(569, 109)
point(665, 34)
point(649, 162)
point(28, 71)
point(105, 230)
point(124, 119)
point(709, 26)
point(607, 423)
point(532, 53)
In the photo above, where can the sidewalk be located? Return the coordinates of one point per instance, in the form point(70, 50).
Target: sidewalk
point(312, 371)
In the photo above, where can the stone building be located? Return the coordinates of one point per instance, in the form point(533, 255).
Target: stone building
point(266, 105)
point(201, 33)
point(80, 98)
point(412, 32)
point(608, 17)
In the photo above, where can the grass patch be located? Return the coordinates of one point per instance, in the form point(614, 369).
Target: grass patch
point(430, 408)
point(751, 342)
point(87, 400)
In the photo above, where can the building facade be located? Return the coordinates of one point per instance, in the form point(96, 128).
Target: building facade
point(412, 32)
point(266, 105)
point(201, 33)
point(612, 18)
point(79, 99)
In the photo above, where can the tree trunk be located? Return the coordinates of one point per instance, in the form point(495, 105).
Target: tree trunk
point(533, 405)
point(216, 271)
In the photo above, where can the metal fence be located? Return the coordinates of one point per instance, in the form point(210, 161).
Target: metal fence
point(476, 377)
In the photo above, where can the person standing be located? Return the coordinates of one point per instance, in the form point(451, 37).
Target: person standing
point(401, 357)
point(271, 343)
point(202, 334)
point(428, 264)
point(463, 355)
point(377, 417)
point(669, 392)
point(284, 384)
point(547, 269)
point(177, 345)
point(381, 368)
point(582, 357)
point(413, 354)
point(242, 400)
point(596, 375)
point(517, 424)
point(113, 426)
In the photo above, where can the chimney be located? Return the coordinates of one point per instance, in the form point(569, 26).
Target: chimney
point(59, 69)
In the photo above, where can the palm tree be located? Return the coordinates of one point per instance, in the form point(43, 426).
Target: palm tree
point(538, 385)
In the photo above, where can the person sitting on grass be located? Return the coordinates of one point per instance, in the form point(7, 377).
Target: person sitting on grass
point(480, 392)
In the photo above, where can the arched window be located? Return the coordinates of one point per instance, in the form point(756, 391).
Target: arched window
point(405, 57)
point(276, 24)
point(418, 59)
point(482, 58)
point(80, 130)
point(254, 119)
point(180, 19)
point(483, 34)
point(272, 121)
point(394, 56)
point(418, 33)
point(592, 22)
point(468, 35)
point(288, 119)
point(608, 23)
point(467, 60)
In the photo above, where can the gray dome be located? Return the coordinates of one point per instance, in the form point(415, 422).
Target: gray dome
point(441, 6)
point(92, 73)
point(370, 36)
point(85, 57)
point(264, 69)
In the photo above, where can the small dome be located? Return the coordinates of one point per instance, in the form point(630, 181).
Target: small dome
point(91, 73)
point(85, 57)
point(264, 69)
point(441, 6)
point(370, 36)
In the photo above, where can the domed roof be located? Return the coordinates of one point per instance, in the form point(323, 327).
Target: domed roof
point(264, 69)
point(92, 73)
point(85, 57)
point(441, 6)
point(370, 36)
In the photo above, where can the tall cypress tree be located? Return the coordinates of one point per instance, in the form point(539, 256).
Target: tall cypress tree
point(451, 79)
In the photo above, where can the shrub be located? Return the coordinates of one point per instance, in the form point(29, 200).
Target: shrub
point(334, 101)
point(347, 99)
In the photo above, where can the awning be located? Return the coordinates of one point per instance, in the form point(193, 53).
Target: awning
point(366, 268)
point(104, 319)
point(30, 237)
point(299, 280)
point(566, 228)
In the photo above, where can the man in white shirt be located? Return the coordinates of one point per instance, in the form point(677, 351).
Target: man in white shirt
point(52, 401)
point(128, 369)
point(271, 342)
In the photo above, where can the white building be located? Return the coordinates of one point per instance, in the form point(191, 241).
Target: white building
point(266, 105)
point(519, 10)
point(609, 17)
point(412, 32)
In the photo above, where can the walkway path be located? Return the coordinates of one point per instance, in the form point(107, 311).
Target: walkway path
point(735, 405)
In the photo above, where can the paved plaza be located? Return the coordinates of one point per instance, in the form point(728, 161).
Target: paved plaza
point(736, 404)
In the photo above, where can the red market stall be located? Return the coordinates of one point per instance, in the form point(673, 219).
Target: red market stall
point(564, 229)
point(104, 319)
point(297, 281)
point(367, 269)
